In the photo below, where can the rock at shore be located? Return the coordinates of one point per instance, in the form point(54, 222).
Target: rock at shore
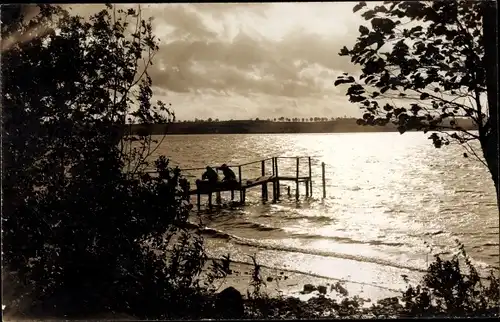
point(309, 288)
point(322, 289)
point(229, 303)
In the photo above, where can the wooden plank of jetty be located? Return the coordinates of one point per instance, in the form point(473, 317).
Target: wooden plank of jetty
point(244, 185)
point(258, 181)
point(300, 179)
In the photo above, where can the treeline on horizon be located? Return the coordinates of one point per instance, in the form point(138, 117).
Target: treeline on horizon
point(269, 126)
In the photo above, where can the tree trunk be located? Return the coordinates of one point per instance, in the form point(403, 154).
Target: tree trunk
point(489, 139)
point(489, 145)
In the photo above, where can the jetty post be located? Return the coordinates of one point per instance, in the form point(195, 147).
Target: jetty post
point(264, 185)
point(323, 178)
point(278, 192)
point(239, 180)
point(297, 178)
point(273, 164)
point(210, 200)
point(310, 177)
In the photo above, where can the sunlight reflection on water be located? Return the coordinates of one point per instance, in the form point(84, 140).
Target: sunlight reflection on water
point(387, 195)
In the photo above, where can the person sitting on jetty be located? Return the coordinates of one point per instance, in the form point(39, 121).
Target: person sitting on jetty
point(208, 179)
point(210, 175)
point(229, 175)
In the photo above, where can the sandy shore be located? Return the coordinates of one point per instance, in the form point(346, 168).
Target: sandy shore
point(287, 283)
point(292, 284)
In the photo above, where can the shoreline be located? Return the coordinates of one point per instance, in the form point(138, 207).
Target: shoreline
point(368, 280)
point(342, 125)
point(194, 133)
point(285, 283)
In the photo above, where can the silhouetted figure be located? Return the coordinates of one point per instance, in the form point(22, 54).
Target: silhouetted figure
point(229, 175)
point(210, 175)
point(208, 178)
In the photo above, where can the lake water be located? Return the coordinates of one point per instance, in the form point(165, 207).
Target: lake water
point(392, 201)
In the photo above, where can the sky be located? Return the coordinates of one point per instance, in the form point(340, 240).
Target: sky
point(249, 60)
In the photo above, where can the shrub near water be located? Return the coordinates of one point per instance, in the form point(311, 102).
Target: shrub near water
point(445, 290)
point(93, 258)
point(85, 231)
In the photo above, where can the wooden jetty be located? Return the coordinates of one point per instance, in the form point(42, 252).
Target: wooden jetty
point(274, 178)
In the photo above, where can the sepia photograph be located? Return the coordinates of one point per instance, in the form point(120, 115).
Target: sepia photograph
point(250, 161)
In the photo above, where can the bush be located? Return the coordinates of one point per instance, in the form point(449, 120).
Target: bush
point(85, 228)
point(446, 290)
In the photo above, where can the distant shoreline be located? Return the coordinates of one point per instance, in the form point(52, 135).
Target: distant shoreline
point(266, 127)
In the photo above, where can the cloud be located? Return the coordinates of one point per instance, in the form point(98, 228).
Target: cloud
point(317, 49)
point(220, 10)
point(185, 21)
point(283, 63)
point(257, 54)
point(246, 63)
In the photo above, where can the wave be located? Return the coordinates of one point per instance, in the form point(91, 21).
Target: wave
point(264, 244)
point(434, 233)
point(347, 239)
point(285, 214)
point(485, 245)
point(319, 219)
point(215, 233)
point(466, 191)
point(357, 258)
point(256, 226)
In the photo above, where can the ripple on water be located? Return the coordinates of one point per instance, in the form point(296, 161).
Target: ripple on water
point(387, 194)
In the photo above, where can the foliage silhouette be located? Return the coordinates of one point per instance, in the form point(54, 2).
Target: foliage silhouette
point(452, 289)
point(449, 288)
point(424, 65)
point(85, 229)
